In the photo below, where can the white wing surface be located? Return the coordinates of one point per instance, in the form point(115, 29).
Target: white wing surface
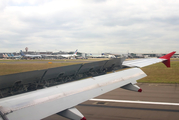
point(142, 62)
point(149, 61)
point(42, 103)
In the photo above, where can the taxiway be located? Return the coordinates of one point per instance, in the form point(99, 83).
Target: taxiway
point(153, 93)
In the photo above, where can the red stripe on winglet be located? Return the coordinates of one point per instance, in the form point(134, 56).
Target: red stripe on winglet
point(168, 56)
point(83, 118)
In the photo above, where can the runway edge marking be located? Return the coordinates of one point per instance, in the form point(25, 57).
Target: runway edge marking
point(138, 102)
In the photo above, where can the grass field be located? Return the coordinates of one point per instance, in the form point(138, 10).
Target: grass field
point(6, 68)
point(90, 59)
point(157, 73)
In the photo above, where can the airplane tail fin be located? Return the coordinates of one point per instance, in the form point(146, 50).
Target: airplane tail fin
point(167, 57)
point(76, 51)
point(4, 55)
point(12, 54)
point(22, 54)
point(9, 55)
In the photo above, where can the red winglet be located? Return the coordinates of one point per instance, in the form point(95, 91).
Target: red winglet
point(167, 56)
point(140, 90)
point(83, 118)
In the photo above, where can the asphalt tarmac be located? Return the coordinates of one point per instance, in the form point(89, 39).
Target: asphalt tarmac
point(163, 94)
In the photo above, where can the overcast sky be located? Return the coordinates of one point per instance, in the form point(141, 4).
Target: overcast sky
point(95, 26)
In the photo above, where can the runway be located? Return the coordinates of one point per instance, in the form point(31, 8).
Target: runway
point(136, 108)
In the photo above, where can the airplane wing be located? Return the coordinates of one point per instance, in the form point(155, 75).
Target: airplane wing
point(148, 61)
point(62, 99)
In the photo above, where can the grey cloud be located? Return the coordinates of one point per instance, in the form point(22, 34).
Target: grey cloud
point(173, 20)
point(99, 1)
point(94, 26)
point(122, 21)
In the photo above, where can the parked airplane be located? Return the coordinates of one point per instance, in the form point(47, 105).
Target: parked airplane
point(12, 56)
point(102, 55)
point(96, 55)
point(70, 55)
point(110, 56)
point(62, 99)
point(7, 55)
point(29, 56)
point(16, 56)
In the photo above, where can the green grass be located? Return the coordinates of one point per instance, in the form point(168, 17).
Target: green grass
point(159, 73)
point(6, 68)
point(90, 59)
point(15, 66)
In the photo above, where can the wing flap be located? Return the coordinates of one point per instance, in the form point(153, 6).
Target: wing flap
point(46, 102)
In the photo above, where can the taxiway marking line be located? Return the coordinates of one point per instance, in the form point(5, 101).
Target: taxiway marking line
point(138, 102)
